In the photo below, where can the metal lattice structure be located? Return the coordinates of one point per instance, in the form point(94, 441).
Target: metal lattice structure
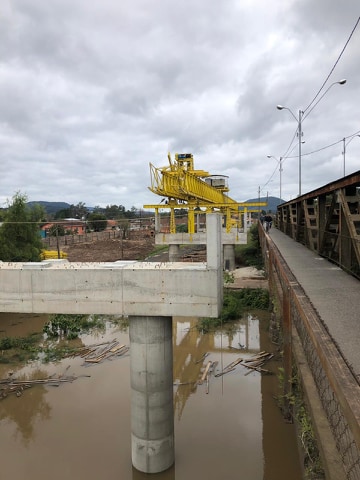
point(327, 221)
point(185, 187)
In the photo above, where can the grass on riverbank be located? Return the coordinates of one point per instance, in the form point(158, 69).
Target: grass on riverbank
point(250, 254)
point(56, 340)
point(234, 305)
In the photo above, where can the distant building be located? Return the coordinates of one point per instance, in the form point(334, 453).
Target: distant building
point(71, 226)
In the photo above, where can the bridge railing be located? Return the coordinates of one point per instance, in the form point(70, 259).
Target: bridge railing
point(327, 221)
point(337, 386)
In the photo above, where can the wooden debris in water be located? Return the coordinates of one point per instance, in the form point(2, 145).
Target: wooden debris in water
point(201, 381)
point(205, 377)
point(179, 384)
point(211, 370)
point(202, 358)
point(103, 351)
point(12, 385)
point(257, 361)
point(98, 355)
point(230, 367)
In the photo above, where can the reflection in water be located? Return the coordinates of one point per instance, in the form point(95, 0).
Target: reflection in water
point(82, 429)
point(191, 345)
point(25, 411)
point(167, 475)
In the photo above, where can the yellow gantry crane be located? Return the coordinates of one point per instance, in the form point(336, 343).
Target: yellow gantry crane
point(185, 187)
point(182, 182)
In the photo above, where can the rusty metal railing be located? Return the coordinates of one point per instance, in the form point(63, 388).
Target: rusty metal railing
point(337, 386)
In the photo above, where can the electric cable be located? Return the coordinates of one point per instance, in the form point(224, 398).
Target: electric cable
point(333, 68)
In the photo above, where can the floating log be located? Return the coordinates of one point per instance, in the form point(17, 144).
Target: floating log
point(96, 355)
point(233, 364)
point(201, 381)
point(183, 383)
point(202, 358)
point(12, 385)
point(224, 372)
point(230, 367)
point(258, 369)
point(257, 361)
point(213, 366)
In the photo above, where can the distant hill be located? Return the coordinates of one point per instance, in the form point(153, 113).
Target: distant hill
point(273, 202)
point(51, 207)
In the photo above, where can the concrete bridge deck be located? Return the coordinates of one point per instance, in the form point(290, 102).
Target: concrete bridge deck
point(334, 294)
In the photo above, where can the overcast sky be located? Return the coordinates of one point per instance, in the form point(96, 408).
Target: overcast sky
point(92, 91)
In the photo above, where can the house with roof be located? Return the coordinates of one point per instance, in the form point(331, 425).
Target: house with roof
point(71, 226)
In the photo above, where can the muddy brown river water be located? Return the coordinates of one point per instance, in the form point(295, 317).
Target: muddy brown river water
point(81, 430)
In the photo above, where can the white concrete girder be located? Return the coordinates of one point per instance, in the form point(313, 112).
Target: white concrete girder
point(122, 288)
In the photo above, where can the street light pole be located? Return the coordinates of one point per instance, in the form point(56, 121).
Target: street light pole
point(300, 134)
point(344, 150)
point(299, 120)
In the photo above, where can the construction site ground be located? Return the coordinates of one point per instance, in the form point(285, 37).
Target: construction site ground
point(248, 277)
point(111, 250)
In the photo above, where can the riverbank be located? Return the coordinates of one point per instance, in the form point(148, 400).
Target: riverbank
point(248, 277)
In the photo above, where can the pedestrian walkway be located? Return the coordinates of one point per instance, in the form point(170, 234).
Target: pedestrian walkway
point(334, 294)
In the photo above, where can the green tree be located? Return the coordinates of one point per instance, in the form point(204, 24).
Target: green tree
point(80, 210)
point(20, 239)
point(97, 222)
point(74, 211)
point(113, 212)
point(56, 230)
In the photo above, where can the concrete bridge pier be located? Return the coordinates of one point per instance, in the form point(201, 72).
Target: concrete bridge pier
point(229, 257)
point(152, 411)
point(174, 253)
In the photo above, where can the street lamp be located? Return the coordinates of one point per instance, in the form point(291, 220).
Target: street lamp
point(344, 149)
point(280, 168)
point(300, 133)
point(300, 118)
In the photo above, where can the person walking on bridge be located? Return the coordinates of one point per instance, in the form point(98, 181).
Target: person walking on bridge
point(268, 223)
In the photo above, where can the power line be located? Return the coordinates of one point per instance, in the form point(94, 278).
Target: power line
point(306, 154)
point(285, 156)
point(327, 146)
point(334, 66)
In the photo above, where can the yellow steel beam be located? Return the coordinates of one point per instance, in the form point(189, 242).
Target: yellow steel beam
point(240, 205)
point(180, 182)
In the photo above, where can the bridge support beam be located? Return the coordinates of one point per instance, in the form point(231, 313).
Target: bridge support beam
point(229, 257)
point(152, 411)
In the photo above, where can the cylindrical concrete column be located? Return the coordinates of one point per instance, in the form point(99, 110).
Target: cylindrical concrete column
point(152, 410)
point(157, 221)
point(229, 257)
point(174, 253)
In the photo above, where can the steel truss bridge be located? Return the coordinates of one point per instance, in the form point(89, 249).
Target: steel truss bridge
point(327, 221)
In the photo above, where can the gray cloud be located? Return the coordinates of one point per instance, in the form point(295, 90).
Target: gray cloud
point(90, 93)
